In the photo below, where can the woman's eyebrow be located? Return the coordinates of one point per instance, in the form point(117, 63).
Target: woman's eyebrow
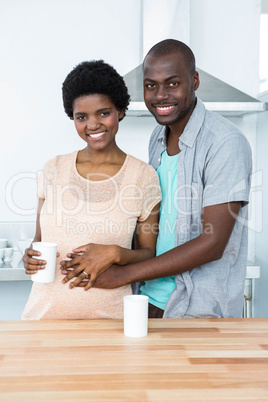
point(98, 111)
point(104, 109)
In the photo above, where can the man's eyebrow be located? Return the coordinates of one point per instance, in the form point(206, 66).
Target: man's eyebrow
point(172, 77)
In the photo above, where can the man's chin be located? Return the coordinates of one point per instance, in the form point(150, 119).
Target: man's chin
point(165, 121)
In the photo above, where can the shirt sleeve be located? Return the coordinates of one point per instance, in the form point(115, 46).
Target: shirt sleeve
point(151, 192)
point(227, 174)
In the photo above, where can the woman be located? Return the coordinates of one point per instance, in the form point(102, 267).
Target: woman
point(91, 201)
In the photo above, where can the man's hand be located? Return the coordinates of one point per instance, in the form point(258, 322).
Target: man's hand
point(87, 263)
point(111, 278)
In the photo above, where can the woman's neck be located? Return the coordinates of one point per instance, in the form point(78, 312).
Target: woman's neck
point(99, 165)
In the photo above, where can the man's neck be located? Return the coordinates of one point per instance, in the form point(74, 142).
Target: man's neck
point(172, 139)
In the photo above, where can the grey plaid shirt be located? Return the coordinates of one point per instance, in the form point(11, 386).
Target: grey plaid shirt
point(214, 167)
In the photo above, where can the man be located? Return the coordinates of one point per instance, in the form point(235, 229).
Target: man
point(204, 165)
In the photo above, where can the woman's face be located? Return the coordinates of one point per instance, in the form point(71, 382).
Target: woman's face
point(96, 120)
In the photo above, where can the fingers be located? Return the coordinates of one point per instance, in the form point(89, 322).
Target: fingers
point(82, 284)
point(66, 271)
point(90, 282)
point(73, 255)
point(71, 273)
point(32, 265)
point(79, 279)
point(71, 263)
point(81, 249)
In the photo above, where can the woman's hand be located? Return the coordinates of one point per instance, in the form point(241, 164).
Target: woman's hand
point(32, 265)
point(87, 263)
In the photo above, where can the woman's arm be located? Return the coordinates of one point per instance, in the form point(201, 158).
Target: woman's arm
point(96, 258)
point(32, 265)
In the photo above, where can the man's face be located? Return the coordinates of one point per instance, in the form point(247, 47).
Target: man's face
point(169, 88)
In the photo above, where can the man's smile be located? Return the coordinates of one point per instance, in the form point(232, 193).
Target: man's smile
point(164, 110)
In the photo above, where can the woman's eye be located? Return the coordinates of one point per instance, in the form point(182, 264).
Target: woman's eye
point(81, 118)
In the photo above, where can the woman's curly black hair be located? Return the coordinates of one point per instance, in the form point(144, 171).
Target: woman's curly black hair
point(94, 77)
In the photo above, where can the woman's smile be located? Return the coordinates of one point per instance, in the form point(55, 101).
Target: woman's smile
point(96, 136)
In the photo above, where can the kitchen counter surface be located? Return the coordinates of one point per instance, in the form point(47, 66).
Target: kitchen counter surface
point(180, 359)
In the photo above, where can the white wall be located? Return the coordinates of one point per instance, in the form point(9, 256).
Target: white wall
point(41, 41)
point(225, 40)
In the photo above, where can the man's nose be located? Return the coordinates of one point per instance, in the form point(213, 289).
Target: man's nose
point(161, 92)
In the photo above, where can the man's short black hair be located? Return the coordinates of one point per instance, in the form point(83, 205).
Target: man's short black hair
point(94, 77)
point(170, 46)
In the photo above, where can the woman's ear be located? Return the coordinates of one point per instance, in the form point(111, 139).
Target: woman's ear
point(121, 114)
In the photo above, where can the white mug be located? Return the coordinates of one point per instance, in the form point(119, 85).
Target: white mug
point(136, 315)
point(49, 254)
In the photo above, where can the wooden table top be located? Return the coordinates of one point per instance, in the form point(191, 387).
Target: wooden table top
point(179, 360)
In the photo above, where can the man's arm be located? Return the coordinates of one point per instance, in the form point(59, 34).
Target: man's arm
point(217, 224)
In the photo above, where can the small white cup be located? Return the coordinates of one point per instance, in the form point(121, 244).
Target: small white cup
point(8, 254)
point(3, 243)
point(136, 315)
point(49, 254)
point(2, 252)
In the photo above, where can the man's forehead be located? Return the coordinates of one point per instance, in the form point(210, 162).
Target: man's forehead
point(163, 64)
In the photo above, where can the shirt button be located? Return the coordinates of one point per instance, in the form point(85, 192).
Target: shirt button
point(159, 160)
point(163, 143)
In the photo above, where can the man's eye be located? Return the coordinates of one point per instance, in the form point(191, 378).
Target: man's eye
point(150, 86)
point(104, 114)
point(174, 84)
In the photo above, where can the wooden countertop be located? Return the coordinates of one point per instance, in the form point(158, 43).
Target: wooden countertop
point(179, 360)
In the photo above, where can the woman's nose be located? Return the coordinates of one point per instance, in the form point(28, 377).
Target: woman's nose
point(93, 125)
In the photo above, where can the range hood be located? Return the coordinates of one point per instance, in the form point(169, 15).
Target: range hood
point(216, 95)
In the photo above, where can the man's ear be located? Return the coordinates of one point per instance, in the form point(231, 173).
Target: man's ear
point(196, 80)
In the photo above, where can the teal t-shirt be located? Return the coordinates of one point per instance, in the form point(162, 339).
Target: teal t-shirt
point(159, 290)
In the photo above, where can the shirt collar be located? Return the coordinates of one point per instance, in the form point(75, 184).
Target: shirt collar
point(192, 128)
point(194, 124)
